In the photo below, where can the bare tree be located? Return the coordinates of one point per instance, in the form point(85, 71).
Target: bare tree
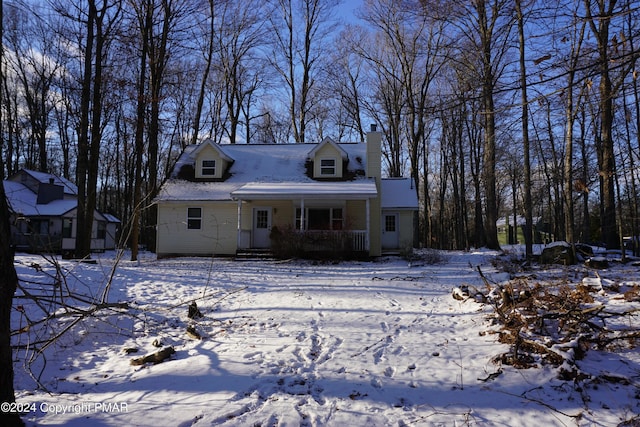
point(414, 41)
point(35, 66)
point(210, 32)
point(8, 284)
point(144, 20)
point(8, 279)
point(240, 32)
point(97, 24)
point(346, 79)
point(528, 204)
point(572, 103)
point(599, 16)
point(298, 50)
point(487, 15)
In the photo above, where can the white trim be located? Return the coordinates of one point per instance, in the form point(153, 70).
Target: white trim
point(350, 190)
point(203, 167)
point(331, 142)
point(334, 167)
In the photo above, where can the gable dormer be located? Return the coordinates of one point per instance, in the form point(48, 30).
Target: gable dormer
point(210, 162)
point(329, 160)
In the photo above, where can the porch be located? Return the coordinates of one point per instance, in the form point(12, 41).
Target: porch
point(306, 217)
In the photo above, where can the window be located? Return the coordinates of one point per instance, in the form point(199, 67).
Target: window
point(194, 218)
point(67, 226)
point(208, 168)
point(336, 219)
point(328, 167)
point(321, 219)
point(262, 218)
point(38, 226)
point(390, 223)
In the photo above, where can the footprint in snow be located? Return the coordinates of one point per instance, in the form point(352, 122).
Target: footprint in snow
point(378, 356)
point(253, 355)
point(390, 371)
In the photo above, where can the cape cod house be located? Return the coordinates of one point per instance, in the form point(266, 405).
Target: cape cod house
point(43, 214)
point(324, 197)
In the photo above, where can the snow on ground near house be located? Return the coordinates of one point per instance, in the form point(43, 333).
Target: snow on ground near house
point(299, 343)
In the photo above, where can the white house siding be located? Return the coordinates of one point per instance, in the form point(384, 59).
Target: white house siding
point(283, 213)
point(356, 218)
point(406, 229)
point(217, 235)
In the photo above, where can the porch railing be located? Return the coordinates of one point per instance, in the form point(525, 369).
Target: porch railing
point(344, 240)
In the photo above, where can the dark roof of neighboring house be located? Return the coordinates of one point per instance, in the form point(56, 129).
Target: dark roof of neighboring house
point(46, 178)
point(23, 201)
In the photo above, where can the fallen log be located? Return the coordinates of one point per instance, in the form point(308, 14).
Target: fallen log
point(155, 358)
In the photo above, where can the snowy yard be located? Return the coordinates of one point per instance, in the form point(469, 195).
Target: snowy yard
point(299, 343)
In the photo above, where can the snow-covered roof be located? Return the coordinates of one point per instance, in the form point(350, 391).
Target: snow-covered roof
point(46, 178)
point(328, 141)
point(398, 193)
point(22, 201)
point(216, 147)
point(283, 164)
point(360, 189)
point(110, 218)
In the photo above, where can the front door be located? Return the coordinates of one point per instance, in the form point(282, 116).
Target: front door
point(390, 231)
point(261, 228)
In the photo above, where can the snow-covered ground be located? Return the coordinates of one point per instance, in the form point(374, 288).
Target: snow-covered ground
point(295, 343)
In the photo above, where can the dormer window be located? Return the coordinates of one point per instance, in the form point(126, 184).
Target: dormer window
point(208, 168)
point(328, 167)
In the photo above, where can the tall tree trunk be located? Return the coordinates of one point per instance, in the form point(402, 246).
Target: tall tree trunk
point(96, 136)
point(205, 76)
point(528, 204)
point(8, 279)
point(157, 68)
point(600, 29)
point(586, 225)
point(83, 137)
point(8, 284)
point(145, 22)
point(489, 120)
point(570, 114)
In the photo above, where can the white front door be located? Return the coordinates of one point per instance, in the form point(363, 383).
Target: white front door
point(390, 231)
point(261, 228)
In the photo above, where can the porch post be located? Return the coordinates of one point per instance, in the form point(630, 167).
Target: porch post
point(368, 217)
point(239, 233)
point(301, 214)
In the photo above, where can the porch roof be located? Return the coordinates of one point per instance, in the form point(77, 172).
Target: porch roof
point(353, 190)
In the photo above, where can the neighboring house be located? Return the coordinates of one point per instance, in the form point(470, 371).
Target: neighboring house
point(43, 212)
point(225, 199)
